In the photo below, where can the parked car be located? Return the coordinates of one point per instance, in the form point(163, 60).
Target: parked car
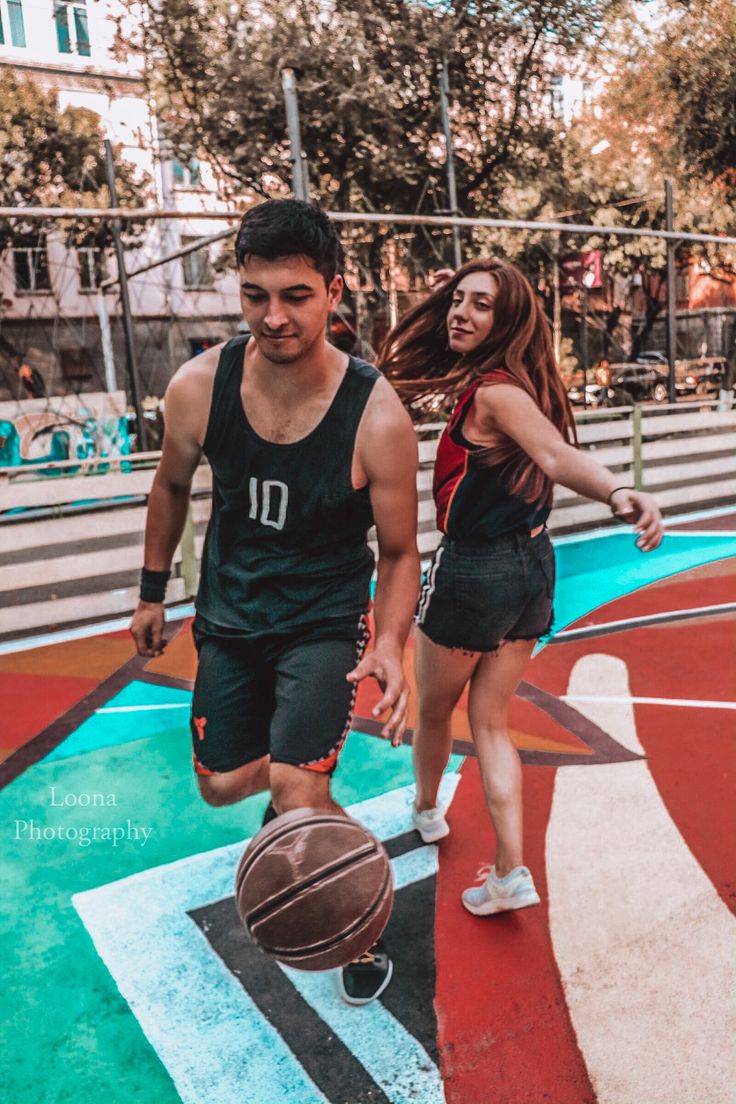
point(696, 376)
point(652, 356)
point(595, 395)
point(632, 383)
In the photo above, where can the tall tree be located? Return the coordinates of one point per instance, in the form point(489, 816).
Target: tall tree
point(369, 98)
point(53, 158)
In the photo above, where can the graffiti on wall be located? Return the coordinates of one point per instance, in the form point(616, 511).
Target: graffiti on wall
point(72, 427)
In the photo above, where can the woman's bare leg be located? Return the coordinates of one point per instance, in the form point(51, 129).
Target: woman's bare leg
point(441, 675)
point(492, 686)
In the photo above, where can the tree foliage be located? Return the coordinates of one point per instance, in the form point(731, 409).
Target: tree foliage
point(697, 63)
point(369, 98)
point(52, 158)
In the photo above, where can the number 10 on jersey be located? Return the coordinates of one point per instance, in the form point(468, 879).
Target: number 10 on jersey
point(268, 497)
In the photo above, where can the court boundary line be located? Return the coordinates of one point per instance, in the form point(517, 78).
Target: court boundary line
point(588, 632)
point(681, 703)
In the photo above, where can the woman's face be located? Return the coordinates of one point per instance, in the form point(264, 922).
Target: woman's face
point(470, 317)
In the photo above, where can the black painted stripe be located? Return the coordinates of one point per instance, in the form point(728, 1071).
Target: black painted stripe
point(324, 1057)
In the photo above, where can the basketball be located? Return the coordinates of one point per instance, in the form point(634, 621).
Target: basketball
point(314, 889)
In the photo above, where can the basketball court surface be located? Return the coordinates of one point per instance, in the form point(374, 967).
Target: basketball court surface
point(129, 979)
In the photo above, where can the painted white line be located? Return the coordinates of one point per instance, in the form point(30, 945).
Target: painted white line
point(645, 620)
point(207, 1031)
point(176, 613)
point(675, 519)
point(701, 515)
point(643, 942)
point(684, 703)
point(724, 534)
point(142, 708)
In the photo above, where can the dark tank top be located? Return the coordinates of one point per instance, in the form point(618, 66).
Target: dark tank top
point(286, 544)
point(471, 504)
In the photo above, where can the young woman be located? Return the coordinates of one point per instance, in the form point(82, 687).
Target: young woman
point(482, 339)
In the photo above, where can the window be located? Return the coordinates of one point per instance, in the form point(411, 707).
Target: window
point(31, 267)
point(15, 23)
point(198, 272)
point(72, 29)
point(187, 176)
point(92, 267)
point(557, 97)
point(682, 282)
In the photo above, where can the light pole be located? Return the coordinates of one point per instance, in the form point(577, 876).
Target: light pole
point(299, 167)
point(130, 353)
point(589, 280)
point(669, 206)
point(450, 163)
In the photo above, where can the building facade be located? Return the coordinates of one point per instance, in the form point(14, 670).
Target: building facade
point(49, 294)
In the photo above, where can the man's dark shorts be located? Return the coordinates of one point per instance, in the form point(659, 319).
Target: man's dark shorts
point(283, 696)
point(478, 595)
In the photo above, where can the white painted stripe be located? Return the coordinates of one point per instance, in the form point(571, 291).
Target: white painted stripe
point(205, 1028)
point(142, 708)
point(644, 944)
point(646, 620)
point(702, 515)
point(683, 703)
point(114, 625)
point(428, 588)
point(371, 1031)
point(675, 519)
point(722, 533)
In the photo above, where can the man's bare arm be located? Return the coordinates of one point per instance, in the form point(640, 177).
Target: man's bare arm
point(388, 451)
point(186, 408)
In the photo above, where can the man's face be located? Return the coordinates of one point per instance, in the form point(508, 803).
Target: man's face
point(286, 303)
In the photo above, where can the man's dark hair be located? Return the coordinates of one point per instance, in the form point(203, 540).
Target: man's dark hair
point(287, 227)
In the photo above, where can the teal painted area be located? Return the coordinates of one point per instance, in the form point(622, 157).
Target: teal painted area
point(592, 573)
point(108, 729)
point(72, 1035)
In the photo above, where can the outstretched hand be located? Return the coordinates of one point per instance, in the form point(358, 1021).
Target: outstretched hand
point(386, 669)
point(639, 509)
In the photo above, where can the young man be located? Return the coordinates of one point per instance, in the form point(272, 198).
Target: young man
point(308, 448)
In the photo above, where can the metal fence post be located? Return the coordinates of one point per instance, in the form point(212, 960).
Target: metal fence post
point(636, 443)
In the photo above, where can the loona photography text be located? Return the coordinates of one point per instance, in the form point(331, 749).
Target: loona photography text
point(82, 819)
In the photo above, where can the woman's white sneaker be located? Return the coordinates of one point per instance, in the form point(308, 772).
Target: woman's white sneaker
point(515, 891)
point(430, 823)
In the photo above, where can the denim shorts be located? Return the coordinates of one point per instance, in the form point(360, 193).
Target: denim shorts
point(476, 595)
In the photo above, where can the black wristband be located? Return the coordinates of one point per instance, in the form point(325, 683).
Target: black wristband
point(153, 585)
point(615, 491)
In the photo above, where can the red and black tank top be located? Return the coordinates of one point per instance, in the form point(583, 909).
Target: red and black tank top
point(471, 504)
point(286, 545)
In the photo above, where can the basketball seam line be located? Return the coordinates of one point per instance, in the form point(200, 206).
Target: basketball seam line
point(367, 851)
point(327, 944)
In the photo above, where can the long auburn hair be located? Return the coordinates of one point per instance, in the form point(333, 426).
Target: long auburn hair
point(416, 357)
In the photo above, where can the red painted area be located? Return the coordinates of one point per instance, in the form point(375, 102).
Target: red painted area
point(503, 1028)
point(711, 585)
point(28, 703)
point(690, 751)
point(530, 727)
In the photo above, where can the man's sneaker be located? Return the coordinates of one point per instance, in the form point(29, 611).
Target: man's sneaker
point(365, 978)
point(430, 823)
point(515, 891)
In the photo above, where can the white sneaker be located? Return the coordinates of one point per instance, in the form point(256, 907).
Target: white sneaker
point(430, 824)
point(515, 891)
